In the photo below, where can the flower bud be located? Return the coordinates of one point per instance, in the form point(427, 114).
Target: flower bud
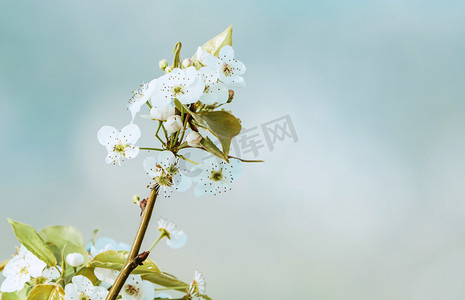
point(193, 139)
point(161, 113)
point(163, 64)
point(169, 69)
point(186, 63)
point(173, 124)
point(136, 199)
point(75, 259)
point(231, 96)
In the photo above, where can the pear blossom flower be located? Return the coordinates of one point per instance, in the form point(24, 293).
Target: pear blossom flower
point(182, 84)
point(75, 259)
point(119, 144)
point(198, 286)
point(175, 238)
point(173, 124)
point(49, 274)
point(82, 288)
point(133, 289)
point(20, 269)
point(104, 244)
point(215, 177)
point(193, 139)
point(229, 70)
point(215, 91)
point(140, 97)
point(162, 113)
point(165, 171)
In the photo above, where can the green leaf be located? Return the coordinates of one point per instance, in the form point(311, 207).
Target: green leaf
point(211, 147)
point(164, 279)
point(214, 45)
point(59, 237)
point(21, 295)
point(46, 292)
point(89, 273)
point(113, 259)
point(177, 55)
point(30, 239)
point(223, 125)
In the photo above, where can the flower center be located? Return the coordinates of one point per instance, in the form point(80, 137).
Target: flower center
point(83, 296)
point(216, 175)
point(164, 179)
point(119, 148)
point(178, 90)
point(40, 280)
point(24, 271)
point(227, 69)
point(132, 290)
point(172, 170)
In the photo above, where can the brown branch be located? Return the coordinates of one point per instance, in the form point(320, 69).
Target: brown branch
point(134, 258)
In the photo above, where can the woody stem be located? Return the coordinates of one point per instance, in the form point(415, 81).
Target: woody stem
point(134, 258)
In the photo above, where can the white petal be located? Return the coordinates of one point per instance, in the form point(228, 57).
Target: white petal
point(130, 134)
point(226, 53)
point(181, 183)
point(165, 159)
point(71, 293)
point(13, 284)
point(131, 152)
point(239, 67)
point(150, 166)
point(106, 275)
point(98, 293)
point(82, 284)
point(212, 62)
point(108, 136)
point(177, 239)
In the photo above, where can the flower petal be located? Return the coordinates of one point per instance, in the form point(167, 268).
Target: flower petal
point(108, 136)
point(130, 134)
point(150, 166)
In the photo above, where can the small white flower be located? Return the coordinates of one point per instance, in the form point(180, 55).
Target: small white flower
point(140, 97)
point(20, 269)
point(119, 144)
point(82, 288)
point(215, 177)
point(173, 124)
point(193, 139)
point(75, 259)
point(162, 113)
point(176, 238)
point(215, 91)
point(104, 244)
point(182, 84)
point(198, 286)
point(165, 171)
point(134, 287)
point(229, 70)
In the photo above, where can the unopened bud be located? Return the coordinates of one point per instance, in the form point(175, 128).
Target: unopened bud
point(186, 63)
point(193, 139)
point(169, 69)
point(136, 199)
point(173, 124)
point(162, 113)
point(75, 259)
point(231, 96)
point(163, 64)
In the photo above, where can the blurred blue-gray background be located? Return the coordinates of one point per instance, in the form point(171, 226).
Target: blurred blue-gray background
point(369, 203)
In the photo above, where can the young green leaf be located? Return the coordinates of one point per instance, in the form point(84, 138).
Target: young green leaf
point(211, 147)
point(164, 279)
point(59, 237)
point(113, 259)
point(46, 292)
point(30, 239)
point(214, 45)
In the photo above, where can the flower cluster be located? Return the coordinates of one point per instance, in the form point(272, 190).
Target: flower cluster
point(91, 271)
point(186, 106)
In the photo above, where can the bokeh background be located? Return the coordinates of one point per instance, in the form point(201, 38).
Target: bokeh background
point(369, 203)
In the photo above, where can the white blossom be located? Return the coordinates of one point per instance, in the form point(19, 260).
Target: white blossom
point(140, 97)
point(82, 288)
point(214, 91)
point(198, 286)
point(20, 269)
point(162, 113)
point(215, 177)
point(119, 144)
point(193, 139)
point(229, 70)
point(182, 84)
point(75, 259)
point(133, 289)
point(175, 238)
point(166, 172)
point(173, 124)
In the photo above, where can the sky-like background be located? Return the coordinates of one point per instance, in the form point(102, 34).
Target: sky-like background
point(369, 203)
